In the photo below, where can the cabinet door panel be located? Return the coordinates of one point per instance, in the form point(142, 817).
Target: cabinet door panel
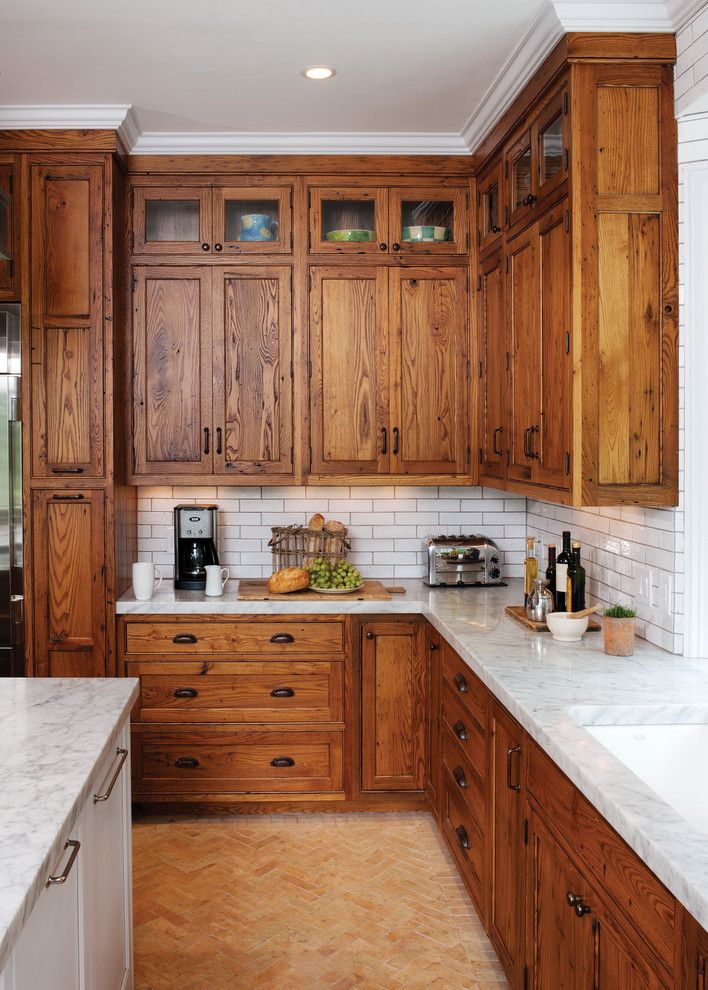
point(172, 220)
point(172, 362)
point(68, 531)
point(522, 314)
point(495, 380)
point(253, 219)
point(10, 197)
point(67, 321)
point(349, 385)
point(428, 371)
point(252, 371)
point(393, 707)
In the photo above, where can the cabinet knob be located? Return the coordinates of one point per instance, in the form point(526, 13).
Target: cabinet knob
point(283, 761)
point(459, 774)
point(205, 246)
point(218, 247)
point(369, 635)
point(462, 838)
point(460, 730)
point(461, 684)
point(432, 647)
point(396, 247)
point(383, 246)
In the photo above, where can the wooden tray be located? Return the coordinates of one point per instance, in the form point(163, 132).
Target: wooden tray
point(256, 590)
point(518, 612)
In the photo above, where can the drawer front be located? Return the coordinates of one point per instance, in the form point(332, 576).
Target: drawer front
point(464, 839)
point(237, 761)
point(468, 732)
point(467, 783)
point(617, 868)
point(292, 691)
point(465, 686)
point(199, 638)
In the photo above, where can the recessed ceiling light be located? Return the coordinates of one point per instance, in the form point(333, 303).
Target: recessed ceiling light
point(319, 72)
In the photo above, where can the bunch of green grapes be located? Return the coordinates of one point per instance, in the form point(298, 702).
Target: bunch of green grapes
point(333, 574)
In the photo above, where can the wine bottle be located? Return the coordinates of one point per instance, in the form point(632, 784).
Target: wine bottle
point(578, 579)
point(562, 561)
point(530, 567)
point(551, 570)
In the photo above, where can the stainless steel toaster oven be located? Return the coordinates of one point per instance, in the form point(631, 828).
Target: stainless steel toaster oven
point(461, 560)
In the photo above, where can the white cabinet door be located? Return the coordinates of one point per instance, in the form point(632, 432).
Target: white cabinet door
point(106, 877)
point(47, 953)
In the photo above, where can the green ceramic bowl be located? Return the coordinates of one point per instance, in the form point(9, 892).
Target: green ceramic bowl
point(350, 235)
point(424, 235)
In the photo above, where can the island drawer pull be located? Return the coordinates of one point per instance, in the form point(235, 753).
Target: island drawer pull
point(509, 754)
point(186, 693)
point(459, 774)
point(460, 730)
point(186, 763)
point(283, 761)
point(282, 692)
point(123, 754)
point(461, 684)
point(185, 638)
point(74, 845)
point(282, 638)
point(462, 838)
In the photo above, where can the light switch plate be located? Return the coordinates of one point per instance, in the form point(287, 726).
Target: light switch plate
point(642, 582)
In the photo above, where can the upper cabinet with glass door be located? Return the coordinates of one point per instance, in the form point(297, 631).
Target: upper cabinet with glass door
point(489, 208)
point(536, 163)
point(201, 220)
point(429, 221)
point(348, 221)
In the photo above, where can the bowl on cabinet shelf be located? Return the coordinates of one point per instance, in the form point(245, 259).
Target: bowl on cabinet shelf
point(425, 234)
point(350, 235)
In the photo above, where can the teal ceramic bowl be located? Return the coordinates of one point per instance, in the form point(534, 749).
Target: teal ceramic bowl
point(343, 236)
point(424, 235)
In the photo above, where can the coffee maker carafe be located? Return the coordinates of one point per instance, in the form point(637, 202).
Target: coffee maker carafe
point(196, 538)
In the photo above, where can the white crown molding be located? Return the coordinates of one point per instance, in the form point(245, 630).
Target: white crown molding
point(681, 12)
point(609, 15)
point(48, 117)
point(298, 143)
point(129, 130)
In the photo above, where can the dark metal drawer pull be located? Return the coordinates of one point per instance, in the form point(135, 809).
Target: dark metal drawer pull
point(187, 763)
point(396, 437)
point(459, 774)
point(185, 638)
point(509, 754)
point(68, 498)
point(123, 754)
point(460, 730)
point(462, 838)
point(186, 693)
point(461, 684)
point(74, 845)
point(74, 470)
point(283, 761)
point(282, 638)
point(282, 692)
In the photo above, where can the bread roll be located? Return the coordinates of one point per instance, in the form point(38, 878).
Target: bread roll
point(289, 579)
point(316, 521)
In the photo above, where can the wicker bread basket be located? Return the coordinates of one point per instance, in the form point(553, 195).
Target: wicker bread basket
point(298, 546)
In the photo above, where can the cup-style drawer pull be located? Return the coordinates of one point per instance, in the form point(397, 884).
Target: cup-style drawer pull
point(459, 774)
point(461, 684)
point(67, 470)
point(74, 845)
point(282, 692)
point(184, 638)
point(282, 638)
point(186, 693)
point(462, 838)
point(460, 730)
point(186, 763)
point(123, 754)
point(283, 761)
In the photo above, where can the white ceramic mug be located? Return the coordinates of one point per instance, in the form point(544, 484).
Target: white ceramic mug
point(147, 578)
point(215, 579)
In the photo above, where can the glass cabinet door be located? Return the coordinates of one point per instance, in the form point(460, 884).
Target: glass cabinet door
point(171, 221)
point(550, 144)
point(5, 218)
point(252, 219)
point(348, 221)
point(489, 219)
point(429, 220)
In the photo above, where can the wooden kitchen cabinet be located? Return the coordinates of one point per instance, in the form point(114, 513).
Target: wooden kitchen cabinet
point(493, 370)
point(394, 704)
point(429, 220)
point(694, 955)
point(433, 778)
point(66, 314)
point(490, 208)
point(10, 227)
point(335, 209)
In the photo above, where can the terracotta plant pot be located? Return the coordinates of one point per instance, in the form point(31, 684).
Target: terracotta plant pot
point(619, 636)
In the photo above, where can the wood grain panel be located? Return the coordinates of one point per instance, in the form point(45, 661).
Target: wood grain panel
point(11, 185)
point(172, 356)
point(68, 393)
point(628, 145)
point(522, 308)
point(495, 373)
point(253, 371)
point(466, 841)
point(283, 638)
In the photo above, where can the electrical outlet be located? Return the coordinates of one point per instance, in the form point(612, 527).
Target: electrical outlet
point(664, 592)
point(642, 583)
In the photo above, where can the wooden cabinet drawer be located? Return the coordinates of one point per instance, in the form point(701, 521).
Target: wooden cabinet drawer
point(467, 782)
point(199, 637)
point(250, 691)
point(465, 839)
point(228, 761)
point(466, 687)
point(469, 734)
point(632, 885)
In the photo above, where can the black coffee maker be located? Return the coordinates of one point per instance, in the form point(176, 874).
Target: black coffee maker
point(196, 539)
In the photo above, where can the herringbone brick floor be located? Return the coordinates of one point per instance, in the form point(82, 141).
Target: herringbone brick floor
point(304, 902)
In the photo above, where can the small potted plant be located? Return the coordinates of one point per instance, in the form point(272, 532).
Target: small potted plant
point(619, 628)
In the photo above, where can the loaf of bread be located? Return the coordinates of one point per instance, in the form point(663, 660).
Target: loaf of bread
point(316, 521)
point(289, 579)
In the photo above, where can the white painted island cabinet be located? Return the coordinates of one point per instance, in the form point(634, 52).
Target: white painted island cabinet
point(79, 933)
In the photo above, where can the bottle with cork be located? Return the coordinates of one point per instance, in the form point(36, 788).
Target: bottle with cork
point(563, 561)
point(530, 567)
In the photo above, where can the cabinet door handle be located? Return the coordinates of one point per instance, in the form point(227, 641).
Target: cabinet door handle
point(68, 470)
point(460, 730)
point(384, 445)
point(282, 692)
point(395, 439)
point(283, 761)
point(206, 439)
point(282, 638)
point(499, 429)
point(184, 638)
point(529, 200)
point(383, 246)
point(575, 901)
point(123, 754)
point(186, 763)
point(526, 441)
point(459, 774)
point(531, 452)
point(461, 684)
point(205, 246)
point(186, 693)
point(462, 838)
point(396, 246)
point(509, 783)
point(218, 439)
point(218, 247)
point(74, 845)
point(370, 635)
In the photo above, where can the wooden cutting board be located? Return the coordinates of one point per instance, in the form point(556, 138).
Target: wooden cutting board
point(256, 590)
point(518, 612)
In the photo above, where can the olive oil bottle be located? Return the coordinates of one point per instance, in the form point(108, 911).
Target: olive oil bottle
point(530, 567)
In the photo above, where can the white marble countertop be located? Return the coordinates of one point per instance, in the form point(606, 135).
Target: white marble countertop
point(54, 734)
point(543, 683)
